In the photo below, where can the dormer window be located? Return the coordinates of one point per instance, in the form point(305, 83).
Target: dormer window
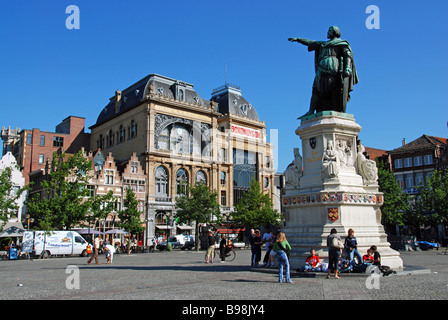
point(179, 90)
point(181, 95)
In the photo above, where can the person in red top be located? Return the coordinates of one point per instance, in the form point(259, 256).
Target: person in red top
point(312, 262)
point(368, 258)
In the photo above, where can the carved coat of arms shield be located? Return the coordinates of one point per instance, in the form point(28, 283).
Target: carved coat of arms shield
point(313, 143)
point(333, 214)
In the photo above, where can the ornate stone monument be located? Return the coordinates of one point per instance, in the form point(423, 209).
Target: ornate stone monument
point(335, 186)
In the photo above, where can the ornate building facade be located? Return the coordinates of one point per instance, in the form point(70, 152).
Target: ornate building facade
point(180, 139)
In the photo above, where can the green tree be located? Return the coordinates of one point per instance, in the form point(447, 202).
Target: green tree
point(100, 206)
point(431, 203)
point(130, 216)
point(255, 208)
point(8, 196)
point(199, 205)
point(395, 208)
point(62, 204)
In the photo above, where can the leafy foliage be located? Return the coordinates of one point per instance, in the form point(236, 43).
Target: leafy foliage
point(432, 198)
point(100, 207)
point(395, 209)
point(8, 196)
point(255, 208)
point(61, 203)
point(199, 205)
point(130, 216)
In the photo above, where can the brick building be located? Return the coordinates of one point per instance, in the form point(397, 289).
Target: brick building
point(33, 147)
point(414, 162)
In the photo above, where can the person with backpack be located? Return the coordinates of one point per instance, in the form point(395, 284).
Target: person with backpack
point(335, 245)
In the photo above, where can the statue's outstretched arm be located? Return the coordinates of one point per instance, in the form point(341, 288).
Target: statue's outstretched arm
point(301, 40)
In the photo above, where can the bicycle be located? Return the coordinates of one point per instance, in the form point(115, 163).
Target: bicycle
point(230, 253)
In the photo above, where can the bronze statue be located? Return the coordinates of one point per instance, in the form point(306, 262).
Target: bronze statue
point(335, 72)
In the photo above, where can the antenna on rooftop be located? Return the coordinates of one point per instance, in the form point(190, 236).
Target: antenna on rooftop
point(225, 83)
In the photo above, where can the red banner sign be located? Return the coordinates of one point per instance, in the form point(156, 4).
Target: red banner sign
point(247, 132)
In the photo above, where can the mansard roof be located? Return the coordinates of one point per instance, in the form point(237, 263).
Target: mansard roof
point(154, 84)
point(231, 101)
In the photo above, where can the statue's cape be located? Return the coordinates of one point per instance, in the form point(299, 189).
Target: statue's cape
point(317, 45)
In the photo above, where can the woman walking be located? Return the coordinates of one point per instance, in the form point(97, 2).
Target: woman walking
point(334, 252)
point(281, 248)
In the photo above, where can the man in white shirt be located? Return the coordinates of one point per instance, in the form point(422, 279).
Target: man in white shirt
point(96, 248)
point(267, 239)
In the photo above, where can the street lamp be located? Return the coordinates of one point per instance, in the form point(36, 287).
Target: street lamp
point(167, 218)
point(27, 221)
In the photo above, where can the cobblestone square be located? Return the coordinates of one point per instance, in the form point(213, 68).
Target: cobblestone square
point(183, 275)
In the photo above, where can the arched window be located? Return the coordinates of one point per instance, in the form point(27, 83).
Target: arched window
point(201, 177)
point(161, 182)
point(160, 217)
point(181, 182)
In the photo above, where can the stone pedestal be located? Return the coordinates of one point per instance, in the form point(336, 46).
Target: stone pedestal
point(335, 190)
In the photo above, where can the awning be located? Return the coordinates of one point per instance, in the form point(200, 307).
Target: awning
point(230, 230)
point(12, 229)
point(162, 227)
point(185, 227)
point(88, 231)
point(116, 231)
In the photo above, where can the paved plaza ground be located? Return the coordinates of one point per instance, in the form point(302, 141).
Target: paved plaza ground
point(183, 275)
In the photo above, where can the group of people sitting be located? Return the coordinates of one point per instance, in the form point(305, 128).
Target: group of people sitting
point(345, 263)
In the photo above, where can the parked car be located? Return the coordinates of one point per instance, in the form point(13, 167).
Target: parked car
point(178, 242)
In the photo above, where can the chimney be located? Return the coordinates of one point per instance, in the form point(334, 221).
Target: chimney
point(404, 142)
point(117, 100)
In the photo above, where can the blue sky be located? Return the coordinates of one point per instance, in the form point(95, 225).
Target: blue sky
point(49, 72)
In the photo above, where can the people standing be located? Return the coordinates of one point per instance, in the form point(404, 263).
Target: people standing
point(281, 249)
point(211, 247)
point(252, 247)
point(272, 253)
point(267, 238)
point(334, 253)
point(96, 248)
point(257, 247)
point(222, 248)
point(351, 246)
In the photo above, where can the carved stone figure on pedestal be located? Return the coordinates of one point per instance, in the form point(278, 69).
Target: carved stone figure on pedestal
point(366, 167)
point(335, 72)
point(330, 163)
point(294, 171)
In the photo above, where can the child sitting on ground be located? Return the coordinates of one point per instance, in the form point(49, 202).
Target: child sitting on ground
point(312, 263)
point(368, 258)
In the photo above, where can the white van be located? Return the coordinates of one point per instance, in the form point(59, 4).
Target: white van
point(56, 243)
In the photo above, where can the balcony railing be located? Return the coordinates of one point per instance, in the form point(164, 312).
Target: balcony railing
point(162, 198)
